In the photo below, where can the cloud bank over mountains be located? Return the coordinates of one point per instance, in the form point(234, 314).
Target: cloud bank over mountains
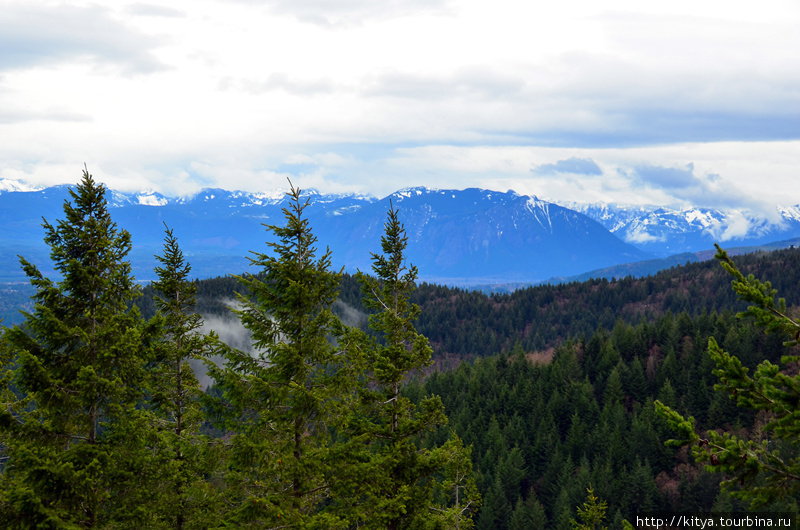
point(670, 104)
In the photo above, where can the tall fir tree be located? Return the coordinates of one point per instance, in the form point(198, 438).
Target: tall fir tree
point(403, 475)
point(74, 435)
point(184, 498)
point(291, 395)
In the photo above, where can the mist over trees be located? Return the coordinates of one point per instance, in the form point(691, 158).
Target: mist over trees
point(103, 420)
point(330, 400)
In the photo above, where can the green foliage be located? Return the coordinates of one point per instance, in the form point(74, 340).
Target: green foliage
point(457, 487)
point(470, 324)
point(75, 372)
point(398, 491)
point(528, 514)
point(182, 495)
point(175, 390)
point(763, 467)
point(591, 514)
point(554, 414)
point(102, 411)
point(286, 401)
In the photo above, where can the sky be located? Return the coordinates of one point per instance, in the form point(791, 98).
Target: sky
point(678, 103)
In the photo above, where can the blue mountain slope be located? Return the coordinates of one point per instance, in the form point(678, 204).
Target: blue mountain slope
point(21, 213)
point(460, 235)
point(477, 234)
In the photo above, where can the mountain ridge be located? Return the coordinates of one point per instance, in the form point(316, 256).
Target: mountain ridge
point(668, 231)
point(467, 236)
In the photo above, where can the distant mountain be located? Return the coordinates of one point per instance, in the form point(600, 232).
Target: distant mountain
point(666, 232)
point(460, 235)
point(476, 234)
point(15, 185)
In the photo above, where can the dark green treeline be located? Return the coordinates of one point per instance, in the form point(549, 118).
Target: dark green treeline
point(466, 324)
point(544, 430)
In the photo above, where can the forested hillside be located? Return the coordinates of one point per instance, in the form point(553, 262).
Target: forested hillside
point(327, 406)
point(544, 429)
point(468, 324)
point(558, 394)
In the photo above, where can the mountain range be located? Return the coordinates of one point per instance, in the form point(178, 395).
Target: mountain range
point(457, 237)
point(666, 231)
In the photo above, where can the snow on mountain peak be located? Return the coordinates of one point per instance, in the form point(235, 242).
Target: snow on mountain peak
point(535, 205)
point(271, 196)
point(790, 213)
point(15, 185)
point(151, 199)
point(706, 219)
point(406, 193)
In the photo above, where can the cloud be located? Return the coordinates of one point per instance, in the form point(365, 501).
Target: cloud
point(348, 13)
point(318, 159)
point(708, 191)
point(153, 10)
point(668, 177)
point(476, 97)
point(702, 122)
point(468, 82)
point(578, 166)
point(8, 116)
point(231, 332)
point(639, 235)
point(282, 81)
point(738, 226)
point(34, 35)
point(735, 226)
point(349, 315)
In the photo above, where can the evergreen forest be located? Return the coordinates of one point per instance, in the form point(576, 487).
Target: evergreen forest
point(297, 396)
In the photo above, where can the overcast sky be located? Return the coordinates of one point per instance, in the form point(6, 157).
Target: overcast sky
point(667, 102)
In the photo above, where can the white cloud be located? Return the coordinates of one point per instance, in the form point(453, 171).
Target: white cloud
point(153, 10)
point(348, 13)
point(639, 235)
point(318, 159)
point(736, 226)
point(715, 174)
point(281, 81)
point(378, 95)
point(33, 34)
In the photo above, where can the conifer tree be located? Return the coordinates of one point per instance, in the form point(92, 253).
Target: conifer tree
point(398, 492)
point(528, 514)
point(73, 433)
point(458, 486)
point(184, 458)
point(497, 510)
point(762, 471)
point(591, 514)
point(291, 395)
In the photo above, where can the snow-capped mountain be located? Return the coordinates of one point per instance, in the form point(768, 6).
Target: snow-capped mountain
point(453, 234)
point(457, 236)
point(476, 234)
point(15, 185)
point(665, 231)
